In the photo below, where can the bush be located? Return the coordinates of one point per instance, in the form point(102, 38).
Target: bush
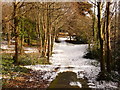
point(20, 69)
point(113, 76)
point(25, 59)
point(9, 70)
point(32, 59)
point(8, 65)
point(92, 54)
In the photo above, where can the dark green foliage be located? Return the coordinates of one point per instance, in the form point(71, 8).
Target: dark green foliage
point(116, 58)
point(76, 42)
point(8, 66)
point(7, 63)
point(103, 76)
point(25, 59)
point(32, 59)
point(113, 76)
point(117, 66)
point(27, 29)
point(79, 40)
point(20, 69)
point(92, 54)
point(12, 70)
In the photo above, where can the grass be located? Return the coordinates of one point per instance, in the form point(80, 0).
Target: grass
point(8, 68)
point(25, 59)
point(8, 65)
point(32, 59)
point(10, 71)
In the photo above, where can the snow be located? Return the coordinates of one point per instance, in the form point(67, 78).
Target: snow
point(3, 46)
point(11, 49)
point(62, 39)
point(0, 76)
point(68, 57)
point(76, 84)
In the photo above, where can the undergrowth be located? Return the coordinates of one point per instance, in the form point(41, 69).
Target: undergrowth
point(11, 70)
point(92, 54)
point(115, 72)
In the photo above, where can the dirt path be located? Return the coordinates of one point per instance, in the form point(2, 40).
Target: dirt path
point(68, 80)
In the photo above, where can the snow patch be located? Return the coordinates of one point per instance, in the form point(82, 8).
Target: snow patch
point(76, 84)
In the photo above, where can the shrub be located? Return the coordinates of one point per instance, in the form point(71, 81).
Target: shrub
point(92, 54)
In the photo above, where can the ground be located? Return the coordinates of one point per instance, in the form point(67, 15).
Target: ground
point(66, 58)
point(31, 79)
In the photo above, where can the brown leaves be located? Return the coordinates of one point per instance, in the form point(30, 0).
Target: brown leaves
point(27, 80)
point(82, 8)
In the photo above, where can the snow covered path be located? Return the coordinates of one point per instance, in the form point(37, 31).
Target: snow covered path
point(69, 57)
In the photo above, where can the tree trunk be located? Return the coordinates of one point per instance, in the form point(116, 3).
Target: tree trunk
point(22, 42)
point(48, 32)
point(16, 32)
point(119, 21)
point(102, 62)
point(8, 34)
point(29, 40)
point(40, 33)
point(45, 35)
point(52, 39)
point(115, 33)
point(108, 52)
point(22, 38)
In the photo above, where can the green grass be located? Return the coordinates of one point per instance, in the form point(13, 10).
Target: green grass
point(32, 59)
point(9, 68)
point(25, 59)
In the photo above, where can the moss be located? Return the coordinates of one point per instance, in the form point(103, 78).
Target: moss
point(63, 81)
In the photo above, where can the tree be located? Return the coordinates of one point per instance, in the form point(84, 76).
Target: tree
point(100, 33)
point(15, 30)
point(108, 52)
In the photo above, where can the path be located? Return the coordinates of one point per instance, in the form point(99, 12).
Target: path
point(69, 58)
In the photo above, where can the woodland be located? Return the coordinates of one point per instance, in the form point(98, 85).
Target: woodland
point(30, 31)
